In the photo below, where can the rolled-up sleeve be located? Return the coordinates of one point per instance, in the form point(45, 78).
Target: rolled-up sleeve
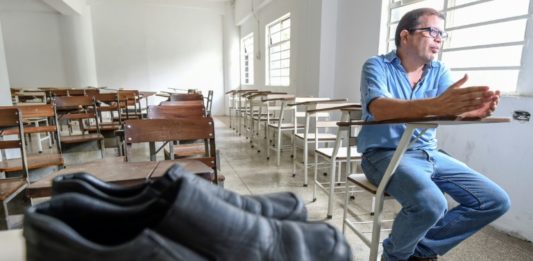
point(373, 82)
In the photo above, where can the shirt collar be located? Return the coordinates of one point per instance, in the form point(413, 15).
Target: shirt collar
point(391, 57)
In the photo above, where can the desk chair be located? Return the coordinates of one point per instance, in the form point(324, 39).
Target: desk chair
point(283, 120)
point(169, 130)
point(302, 106)
point(338, 153)
point(405, 142)
point(10, 117)
point(83, 110)
point(130, 104)
point(39, 160)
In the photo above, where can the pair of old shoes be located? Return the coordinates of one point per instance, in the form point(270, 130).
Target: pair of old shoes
point(177, 217)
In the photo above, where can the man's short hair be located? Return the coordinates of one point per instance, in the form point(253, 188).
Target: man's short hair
point(411, 20)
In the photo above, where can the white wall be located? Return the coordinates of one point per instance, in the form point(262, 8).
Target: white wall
point(33, 44)
point(358, 39)
point(231, 53)
point(140, 45)
point(305, 41)
point(78, 48)
point(5, 93)
point(502, 152)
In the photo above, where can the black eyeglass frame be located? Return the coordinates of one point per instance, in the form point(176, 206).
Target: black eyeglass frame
point(433, 32)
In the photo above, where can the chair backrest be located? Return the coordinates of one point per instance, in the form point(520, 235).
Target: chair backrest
point(29, 111)
point(106, 97)
point(42, 111)
point(72, 102)
point(76, 92)
point(177, 129)
point(151, 130)
point(11, 117)
point(180, 111)
point(77, 108)
point(182, 103)
point(186, 97)
point(92, 92)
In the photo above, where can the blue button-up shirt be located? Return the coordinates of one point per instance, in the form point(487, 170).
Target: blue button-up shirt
point(384, 76)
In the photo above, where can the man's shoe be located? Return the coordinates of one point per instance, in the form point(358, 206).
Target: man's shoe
point(216, 228)
point(184, 214)
point(93, 230)
point(282, 205)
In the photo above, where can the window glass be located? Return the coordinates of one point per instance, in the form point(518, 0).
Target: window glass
point(278, 35)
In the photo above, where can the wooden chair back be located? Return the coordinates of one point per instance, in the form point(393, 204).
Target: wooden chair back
point(92, 92)
point(84, 110)
point(169, 112)
point(76, 92)
point(10, 117)
point(186, 97)
point(182, 103)
point(176, 129)
point(66, 103)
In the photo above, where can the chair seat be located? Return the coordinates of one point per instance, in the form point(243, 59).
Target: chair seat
point(10, 187)
point(110, 126)
point(34, 162)
point(321, 136)
point(285, 126)
point(81, 138)
point(341, 155)
point(360, 180)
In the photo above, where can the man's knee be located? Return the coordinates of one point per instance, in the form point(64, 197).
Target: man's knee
point(499, 203)
point(429, 205)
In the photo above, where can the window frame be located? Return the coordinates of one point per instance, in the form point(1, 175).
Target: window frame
point(390, 45)
point(250, 56)
point(269, 46)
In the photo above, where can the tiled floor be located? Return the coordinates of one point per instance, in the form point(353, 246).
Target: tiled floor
point(248, 172)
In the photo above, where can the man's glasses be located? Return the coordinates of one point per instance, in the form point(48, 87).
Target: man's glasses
point(433, 32)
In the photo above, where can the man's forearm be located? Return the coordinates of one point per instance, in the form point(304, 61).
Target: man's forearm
point(387, 108)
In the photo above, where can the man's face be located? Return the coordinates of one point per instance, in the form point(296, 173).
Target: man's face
point(420, 43)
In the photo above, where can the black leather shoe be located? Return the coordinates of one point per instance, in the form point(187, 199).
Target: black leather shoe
point(216, 228)
point(282, 205)
point(183, 213)
point(76, 227)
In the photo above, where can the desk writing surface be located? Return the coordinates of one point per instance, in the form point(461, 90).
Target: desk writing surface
point(329, 107)
point(316, 101)
point(114, 170)
point(439, 120)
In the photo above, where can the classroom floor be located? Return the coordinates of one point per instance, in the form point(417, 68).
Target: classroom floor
point(248, 172)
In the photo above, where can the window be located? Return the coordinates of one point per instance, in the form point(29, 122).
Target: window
point(247, 60)
point(486, 37)
point(278, 45)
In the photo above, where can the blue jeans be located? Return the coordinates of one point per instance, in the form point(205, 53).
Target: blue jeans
point(425, 227)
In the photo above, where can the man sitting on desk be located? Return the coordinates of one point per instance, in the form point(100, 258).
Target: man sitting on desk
point(408, 83)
